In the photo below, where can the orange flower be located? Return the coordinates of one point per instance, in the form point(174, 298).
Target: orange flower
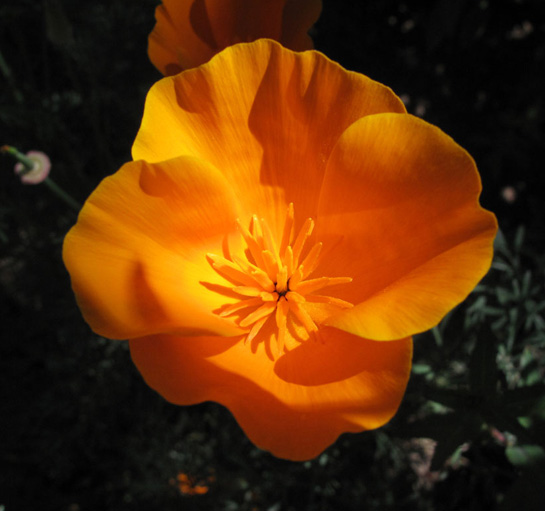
point(285, 229)
point(188, 486)
point(190, 32)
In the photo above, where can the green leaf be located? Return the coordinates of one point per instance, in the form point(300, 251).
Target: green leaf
point(421, 369)
point(500, 243)
point(504, 296)
point(526, 282)
point(522, 455)
point(533, 377)
point(519, 239)
point(437, 336)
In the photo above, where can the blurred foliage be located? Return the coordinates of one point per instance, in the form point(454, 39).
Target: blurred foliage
point(80, 431)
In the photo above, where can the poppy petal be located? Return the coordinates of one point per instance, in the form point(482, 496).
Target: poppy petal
point(298, 17)
point(414, 238)
point(242, 21)
point(137, 254)
point(189, 32)
point(266, 116)
point(293, 407)
point(173, 44)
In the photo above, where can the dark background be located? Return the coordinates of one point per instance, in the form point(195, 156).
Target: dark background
point(79, 430)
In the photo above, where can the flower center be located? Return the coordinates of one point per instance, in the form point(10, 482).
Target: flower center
point(272, 281)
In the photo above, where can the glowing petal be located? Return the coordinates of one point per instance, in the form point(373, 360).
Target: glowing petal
point(267, 117)
point(414, 237)
point(294, 407)
point(137, 254)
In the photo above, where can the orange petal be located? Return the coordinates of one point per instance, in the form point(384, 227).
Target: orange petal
point(294, 407)
point(297, 17)
point(137, 253)
point(242, 21)
point(173, 44)
point(414, 237)
point(266, 116)
point(189, 32)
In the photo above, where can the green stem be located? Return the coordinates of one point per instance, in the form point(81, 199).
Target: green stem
point(29, 165)
point(20, 157)
point(59, 192)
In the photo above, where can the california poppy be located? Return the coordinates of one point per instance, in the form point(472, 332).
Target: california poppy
point(189, 32)
point(284, 230)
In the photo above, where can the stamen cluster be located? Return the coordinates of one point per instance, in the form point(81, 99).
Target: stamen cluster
point(273, 278)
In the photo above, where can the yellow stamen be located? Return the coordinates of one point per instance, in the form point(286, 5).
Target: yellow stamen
point(288, 259)
point(282, 309)
point(269, 243)
point(310, 262)
point(242, 304)
point(269, 297)
point(255, 329)
point(282, 281)
point(263, 312)
point(309, 286)
point(256, 231)
point(253, 247)
point(305, 232)
point(293, 296)
point(229, 270)
point(263, 280)
point(296, 277)
point(288, 227)
point(303, 317)
point(247, 291)
point(270, 264)
point(257, 274)
point(270, 278)
point(330, 300)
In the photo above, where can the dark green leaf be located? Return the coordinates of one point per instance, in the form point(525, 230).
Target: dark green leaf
point(522, 455)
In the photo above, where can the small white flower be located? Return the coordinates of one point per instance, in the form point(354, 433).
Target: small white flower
point(38, 173)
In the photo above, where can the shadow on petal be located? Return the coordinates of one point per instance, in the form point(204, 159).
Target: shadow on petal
point(200, 22)
point(146, 303)
point(292, 421)
point(188, 86)
point(335, 356)
point(303, 103)
point(155, 182)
